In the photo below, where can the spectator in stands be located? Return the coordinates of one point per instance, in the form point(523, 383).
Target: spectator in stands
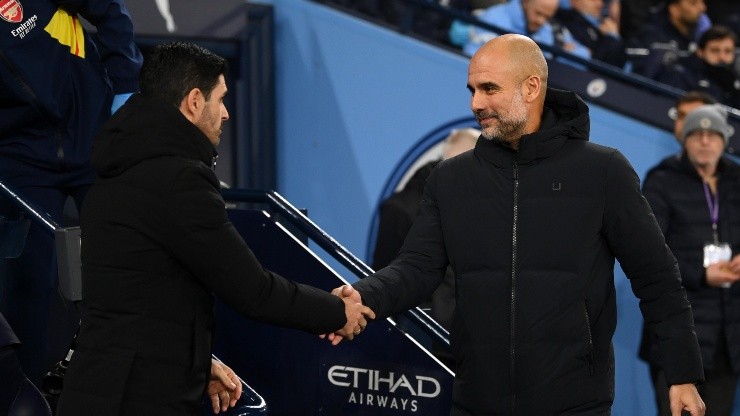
point(57, 87)
point(668, 35)
point(397, 214)
point(427, 22)
point(532, 18)
point(684, 105)
point(532, 221)
point(695, 196)
point(711, 68)
point(725, 13)
point(600, 34)
point(634, 14)
point(157, 246)
point(484, 4)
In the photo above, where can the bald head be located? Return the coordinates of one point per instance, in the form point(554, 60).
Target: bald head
point(507, 78)
point(516, 54)
point(539, 12)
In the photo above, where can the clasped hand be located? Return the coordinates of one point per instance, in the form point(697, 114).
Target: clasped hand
point(723, 274)
point(357, 315)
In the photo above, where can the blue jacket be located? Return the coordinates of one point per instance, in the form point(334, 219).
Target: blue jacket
point(56, 85)
point(510, 16)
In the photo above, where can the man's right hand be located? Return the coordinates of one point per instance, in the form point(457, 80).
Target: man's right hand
point(356, 313)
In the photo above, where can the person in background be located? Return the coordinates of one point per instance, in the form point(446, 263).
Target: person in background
point(427, 22)
point(695, 196)
point(668, 34)
point(531, 222)
point(634, 13)
point(396, 215)
point(532, 18)
point(397, 212)
point(157, 245)
point(683, 106)
point(57, 87)
point(725, 13)
point(711, 68)
point(600, 34)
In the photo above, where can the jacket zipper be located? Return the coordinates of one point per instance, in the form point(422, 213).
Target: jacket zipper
point(512, 337)
point(590, 338)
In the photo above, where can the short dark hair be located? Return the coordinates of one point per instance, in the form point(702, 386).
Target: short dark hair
point(171, 70)
point(690, 97)
point(696, 96)
point(717, 32)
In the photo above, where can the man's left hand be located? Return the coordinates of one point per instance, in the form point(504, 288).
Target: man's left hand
point(685, 397)
point(224, 387)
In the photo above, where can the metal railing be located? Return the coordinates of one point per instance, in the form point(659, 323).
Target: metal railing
point(286, 210)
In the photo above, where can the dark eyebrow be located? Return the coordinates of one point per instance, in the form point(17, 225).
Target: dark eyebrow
point(488, 86)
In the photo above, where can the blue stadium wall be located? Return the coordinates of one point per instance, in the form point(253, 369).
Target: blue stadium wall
point(353, 99)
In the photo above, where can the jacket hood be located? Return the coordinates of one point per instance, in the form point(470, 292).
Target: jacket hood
point(564, 117)
point(147, 128)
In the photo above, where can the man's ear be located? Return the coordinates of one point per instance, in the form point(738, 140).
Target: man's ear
point(192, 105)
point(532, 88)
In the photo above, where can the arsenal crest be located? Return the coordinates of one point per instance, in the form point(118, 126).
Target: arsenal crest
point(11, 11)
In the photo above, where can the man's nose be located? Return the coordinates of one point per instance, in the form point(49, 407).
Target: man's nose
point(476, 103)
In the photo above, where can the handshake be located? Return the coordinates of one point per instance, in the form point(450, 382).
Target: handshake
point(357, 315)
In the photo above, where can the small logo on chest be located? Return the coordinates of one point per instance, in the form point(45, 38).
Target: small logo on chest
point(556, 186)
point(11, 11)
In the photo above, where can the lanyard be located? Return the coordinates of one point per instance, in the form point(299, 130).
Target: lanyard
point(713, 205)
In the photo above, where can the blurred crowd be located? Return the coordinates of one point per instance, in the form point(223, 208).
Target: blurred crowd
point(691, 45)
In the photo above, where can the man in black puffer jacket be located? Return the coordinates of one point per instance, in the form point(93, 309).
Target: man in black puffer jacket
point(157, 245)
point(531, 222)
point(684, 191)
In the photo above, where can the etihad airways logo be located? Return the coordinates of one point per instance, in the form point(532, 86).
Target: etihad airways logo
point(382, 388)
point(11, 11)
